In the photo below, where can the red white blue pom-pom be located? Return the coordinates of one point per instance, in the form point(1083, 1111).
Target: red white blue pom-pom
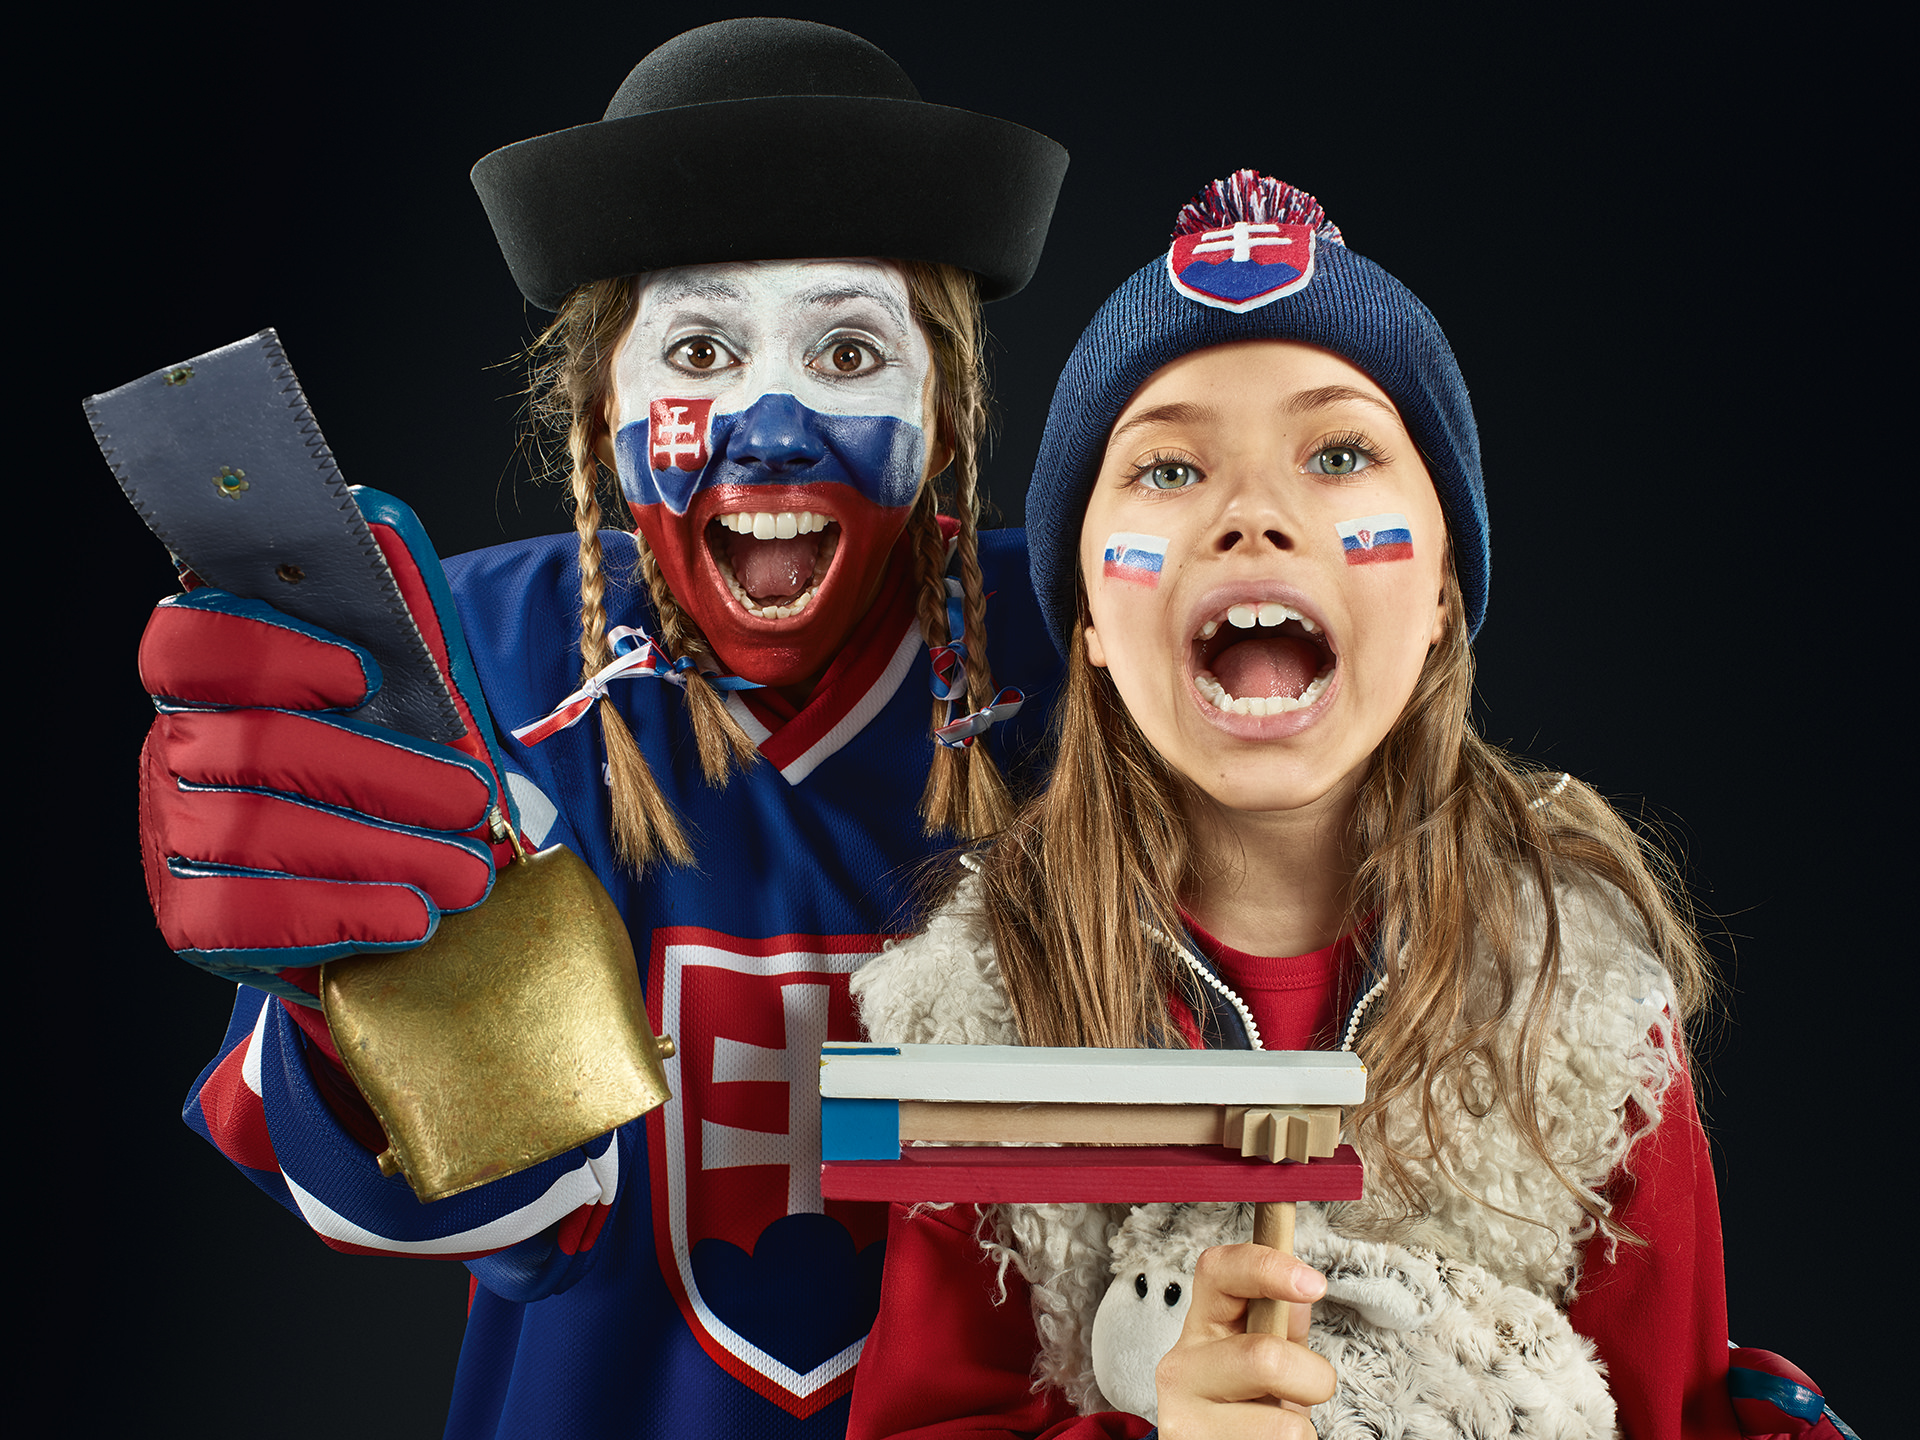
point(1247, 195)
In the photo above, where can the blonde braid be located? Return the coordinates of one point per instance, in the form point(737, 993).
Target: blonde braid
point(723, 744)
point(965, 792)
point(567, 388)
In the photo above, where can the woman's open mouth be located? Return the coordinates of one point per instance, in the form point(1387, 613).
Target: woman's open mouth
point(1261, 657)
point(773, 561)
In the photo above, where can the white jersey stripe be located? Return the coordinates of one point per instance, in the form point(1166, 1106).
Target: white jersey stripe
point(594, 1183)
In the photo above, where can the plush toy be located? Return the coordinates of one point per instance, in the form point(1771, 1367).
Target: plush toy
point(1423, 1346)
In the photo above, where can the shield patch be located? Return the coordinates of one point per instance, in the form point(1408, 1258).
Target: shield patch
point(1244, 266)
point(779, 1288)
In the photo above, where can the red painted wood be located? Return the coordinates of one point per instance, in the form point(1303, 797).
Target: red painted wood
point(1112, 1174)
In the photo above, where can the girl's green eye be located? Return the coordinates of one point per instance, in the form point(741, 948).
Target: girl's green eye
point(1339, 460)
point(1170, 475)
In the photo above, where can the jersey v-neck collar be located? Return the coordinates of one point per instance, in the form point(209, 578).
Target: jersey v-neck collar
point(863, 679)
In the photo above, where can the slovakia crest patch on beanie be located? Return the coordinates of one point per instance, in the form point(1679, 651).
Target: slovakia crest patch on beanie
point(1242, 266)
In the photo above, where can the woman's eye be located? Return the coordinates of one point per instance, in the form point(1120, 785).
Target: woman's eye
point(701, 352)
point(1340, 460)
point(1169, 475)
point(846, 357)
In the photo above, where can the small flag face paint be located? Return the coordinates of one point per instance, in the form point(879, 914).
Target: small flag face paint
point(677, 434)
point(1376, 539)
point(1135, 558)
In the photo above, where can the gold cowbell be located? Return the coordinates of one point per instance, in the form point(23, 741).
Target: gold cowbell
point(517, 1032)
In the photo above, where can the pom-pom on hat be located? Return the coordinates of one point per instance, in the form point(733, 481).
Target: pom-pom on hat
point(1253, 259)
point(770, 139)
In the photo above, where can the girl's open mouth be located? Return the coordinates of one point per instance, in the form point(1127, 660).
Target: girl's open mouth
point(1261, 657)
point(773, 561)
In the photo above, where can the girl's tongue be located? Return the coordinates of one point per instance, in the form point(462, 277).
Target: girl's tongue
point(1267, 665)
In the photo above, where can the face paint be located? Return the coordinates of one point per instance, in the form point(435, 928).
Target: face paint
point(770, 440)
point(1376, 539)
point(1136, 559)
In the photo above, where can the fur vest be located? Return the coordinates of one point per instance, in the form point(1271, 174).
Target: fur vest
point(1446, 1321)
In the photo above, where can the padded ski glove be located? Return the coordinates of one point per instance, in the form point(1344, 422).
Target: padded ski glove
point(277, 832)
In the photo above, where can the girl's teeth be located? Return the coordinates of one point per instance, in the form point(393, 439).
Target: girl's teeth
point(1208, 685)
point(1248, 614)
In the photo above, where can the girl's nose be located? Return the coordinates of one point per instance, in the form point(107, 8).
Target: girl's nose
point(776, 434)
point(1253, 516)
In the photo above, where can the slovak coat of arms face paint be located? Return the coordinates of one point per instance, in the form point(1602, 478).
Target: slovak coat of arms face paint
point(770, 438)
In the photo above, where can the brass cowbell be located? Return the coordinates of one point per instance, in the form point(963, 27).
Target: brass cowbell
point(517, 1032)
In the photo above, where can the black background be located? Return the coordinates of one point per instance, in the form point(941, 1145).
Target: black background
point(1651, 241)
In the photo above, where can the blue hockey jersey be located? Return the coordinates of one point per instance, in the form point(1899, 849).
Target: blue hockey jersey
point(681, 1277)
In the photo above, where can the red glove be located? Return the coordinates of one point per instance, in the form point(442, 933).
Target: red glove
point(1775, 1400)
point(277, 835)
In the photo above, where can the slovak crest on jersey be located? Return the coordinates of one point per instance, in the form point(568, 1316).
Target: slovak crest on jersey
point(1244, 265)
point(779, 1289)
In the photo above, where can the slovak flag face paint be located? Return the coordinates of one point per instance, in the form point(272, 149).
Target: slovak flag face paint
point(1135, 559)
point(771, 442)
point(1376, 539)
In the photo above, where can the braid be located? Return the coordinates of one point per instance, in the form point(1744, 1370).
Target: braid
point(567, 387)
point(723, 744)
point(965, 792)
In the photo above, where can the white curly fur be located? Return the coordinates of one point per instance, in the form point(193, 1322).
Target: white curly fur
point(1454, 1313)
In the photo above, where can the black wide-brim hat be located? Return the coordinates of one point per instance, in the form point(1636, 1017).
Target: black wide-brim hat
point(770, 140)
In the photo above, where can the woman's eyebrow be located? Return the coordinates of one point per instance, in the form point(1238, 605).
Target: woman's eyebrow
point(694, 287)
point(1179, 412)
point(843, 294)
point(1328, 395)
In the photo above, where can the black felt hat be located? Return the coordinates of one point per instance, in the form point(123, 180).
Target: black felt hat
point(770, 140)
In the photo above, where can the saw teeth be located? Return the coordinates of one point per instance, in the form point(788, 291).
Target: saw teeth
point(1249, 613)
point(774, 525)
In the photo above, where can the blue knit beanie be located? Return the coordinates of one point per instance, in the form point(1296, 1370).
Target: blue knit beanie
point(1253, 259)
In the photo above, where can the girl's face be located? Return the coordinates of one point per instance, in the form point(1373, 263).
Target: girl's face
point(1263, 562)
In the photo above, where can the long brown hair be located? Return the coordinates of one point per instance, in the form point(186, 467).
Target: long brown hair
point(1453, 838)
point(570, 378)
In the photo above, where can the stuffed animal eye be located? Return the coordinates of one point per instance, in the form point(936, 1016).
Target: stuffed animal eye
point(1140, 1285)
point(1172, 1297)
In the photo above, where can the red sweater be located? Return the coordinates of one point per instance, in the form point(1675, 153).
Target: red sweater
point(944, 1361)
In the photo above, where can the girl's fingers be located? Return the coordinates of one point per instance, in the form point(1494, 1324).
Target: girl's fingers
point(1242, 1368)
point(1230, 1275)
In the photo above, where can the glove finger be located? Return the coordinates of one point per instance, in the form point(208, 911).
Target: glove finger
point(338, 762)
point(253, 831)
point(210, 648)
point(246, 926)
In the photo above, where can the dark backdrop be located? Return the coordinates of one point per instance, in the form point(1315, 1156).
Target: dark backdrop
point(1639, 235)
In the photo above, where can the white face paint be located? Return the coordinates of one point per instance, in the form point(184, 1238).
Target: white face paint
point(770, 431)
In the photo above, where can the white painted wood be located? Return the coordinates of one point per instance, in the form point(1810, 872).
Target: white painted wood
point(1018, 1074)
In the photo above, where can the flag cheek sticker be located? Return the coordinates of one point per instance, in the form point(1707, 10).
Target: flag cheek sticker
point(1136, 559)
point(1376, 539)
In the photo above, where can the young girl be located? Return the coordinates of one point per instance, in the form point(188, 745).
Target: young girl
point(1259, 535)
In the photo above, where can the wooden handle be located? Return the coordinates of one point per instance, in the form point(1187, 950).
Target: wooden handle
point(1273, 1227)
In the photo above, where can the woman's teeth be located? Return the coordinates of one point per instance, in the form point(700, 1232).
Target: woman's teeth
point(787, 525)
point(763, 525)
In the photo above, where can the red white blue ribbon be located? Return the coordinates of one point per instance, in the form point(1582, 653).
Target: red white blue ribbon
point(637, 656)
point(948, 682)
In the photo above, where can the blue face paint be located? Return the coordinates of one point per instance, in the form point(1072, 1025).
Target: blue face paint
point(682, 448)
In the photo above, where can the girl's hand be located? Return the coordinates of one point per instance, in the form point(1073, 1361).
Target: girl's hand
point(1218, 1381)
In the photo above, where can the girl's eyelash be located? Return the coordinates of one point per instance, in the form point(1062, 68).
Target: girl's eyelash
point(1140, 469)
point(1355, 441)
